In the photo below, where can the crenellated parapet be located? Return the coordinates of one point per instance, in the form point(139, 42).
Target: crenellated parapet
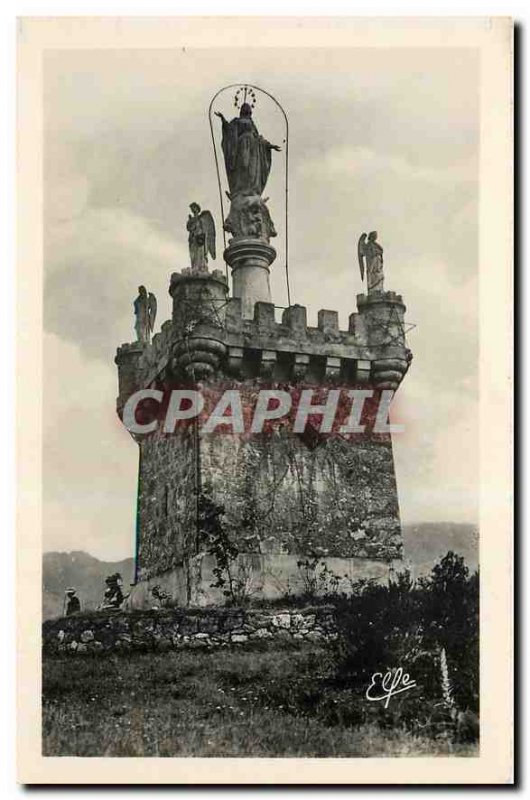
point(210, 337)
point(291, 350)
point(141, 363)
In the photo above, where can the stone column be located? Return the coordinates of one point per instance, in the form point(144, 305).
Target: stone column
point(198, 296)
point(382, 316)
point(250, 260)
point(199, 301)
point(127, 359)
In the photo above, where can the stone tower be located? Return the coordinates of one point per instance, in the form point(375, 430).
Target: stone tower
point(286, 500)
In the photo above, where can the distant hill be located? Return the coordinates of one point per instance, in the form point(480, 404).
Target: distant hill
point(424, 545)
point(82, 571)
point(426, 542)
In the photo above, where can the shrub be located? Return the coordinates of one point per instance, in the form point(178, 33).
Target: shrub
point(430, 630)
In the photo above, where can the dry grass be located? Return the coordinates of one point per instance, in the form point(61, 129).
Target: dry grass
point(203, 703)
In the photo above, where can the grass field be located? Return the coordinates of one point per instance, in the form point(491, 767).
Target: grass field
point(246, 702)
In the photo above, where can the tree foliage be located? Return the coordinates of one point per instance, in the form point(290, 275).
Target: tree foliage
point(430, 629)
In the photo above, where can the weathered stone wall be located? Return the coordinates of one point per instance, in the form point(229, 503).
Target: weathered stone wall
point(333, 498)
point(167, 502)
point(272, 576)
point(281, 497)
point(171, 629)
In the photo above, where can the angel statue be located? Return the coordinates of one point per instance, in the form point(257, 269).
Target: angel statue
point(371, 251)
point(145, 313)
point(151, 311)
point(201, 237)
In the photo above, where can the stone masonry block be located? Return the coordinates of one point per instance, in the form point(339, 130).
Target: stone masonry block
point(295, 317)
point(328, 321)
point(264, 314)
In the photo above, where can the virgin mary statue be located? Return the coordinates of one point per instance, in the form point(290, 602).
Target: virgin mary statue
point(247, 154)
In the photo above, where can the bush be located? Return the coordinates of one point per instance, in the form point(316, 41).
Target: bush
point(430, 629)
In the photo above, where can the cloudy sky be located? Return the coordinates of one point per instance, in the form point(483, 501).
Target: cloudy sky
point(384, 139)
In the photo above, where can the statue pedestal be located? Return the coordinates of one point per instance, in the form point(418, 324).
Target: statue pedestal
point(197, 294)
point(199, 301)
point(250, 260)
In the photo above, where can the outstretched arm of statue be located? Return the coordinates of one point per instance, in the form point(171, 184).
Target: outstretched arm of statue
point(221, 117)
point(271, 146)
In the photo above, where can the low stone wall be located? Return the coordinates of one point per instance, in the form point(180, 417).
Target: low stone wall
point(171, 629)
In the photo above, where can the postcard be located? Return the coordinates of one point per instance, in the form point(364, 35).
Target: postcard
point(265, 415)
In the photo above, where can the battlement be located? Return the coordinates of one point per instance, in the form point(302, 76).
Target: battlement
point(210, 338)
